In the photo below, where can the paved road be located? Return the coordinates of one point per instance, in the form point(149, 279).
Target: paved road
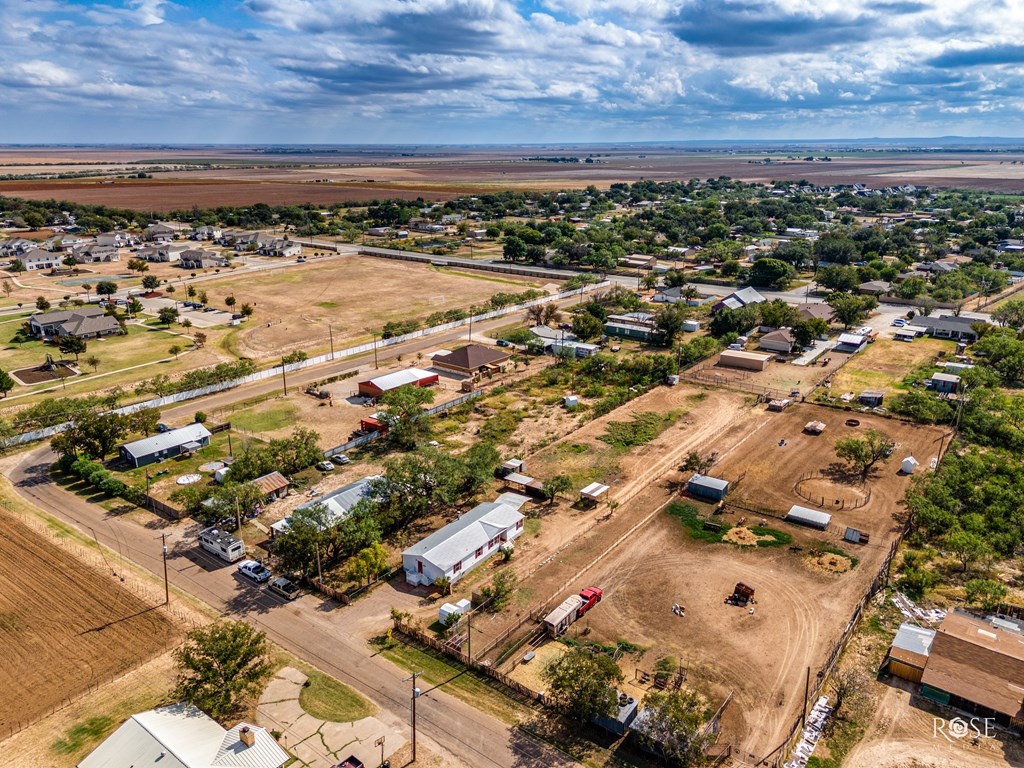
point(312, 629)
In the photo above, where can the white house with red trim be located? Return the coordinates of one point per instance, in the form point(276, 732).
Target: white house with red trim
point(463, 544)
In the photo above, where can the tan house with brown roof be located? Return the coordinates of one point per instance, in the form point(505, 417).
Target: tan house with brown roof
point(472, 360)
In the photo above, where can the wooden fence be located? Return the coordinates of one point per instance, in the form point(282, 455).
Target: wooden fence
point(838, 504)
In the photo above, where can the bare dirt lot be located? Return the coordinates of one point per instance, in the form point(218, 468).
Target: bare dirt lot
point(64, 628)
point(779, 380)
point(351, 294)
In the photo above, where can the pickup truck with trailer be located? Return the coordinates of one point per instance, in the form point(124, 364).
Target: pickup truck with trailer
point(222, 544)
point(570, 610)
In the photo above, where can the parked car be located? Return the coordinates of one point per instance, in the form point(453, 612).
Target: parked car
point(899, 322)
point(341, 459)
point(504, 343)
point(209, 309)
point(325, 466)
point(237, 316)
point(284, 587)
point(255, 571)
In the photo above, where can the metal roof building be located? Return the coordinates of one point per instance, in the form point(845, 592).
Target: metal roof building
point(412, 376)
point(708, 487)
point(809, 517)
point(183, 736)
point(165, 445)
point(338, 502)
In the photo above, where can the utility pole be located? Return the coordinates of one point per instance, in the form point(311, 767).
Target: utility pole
point(238, 516)
point(319, 573)
point(415, 695)
point(167, 584)
point(469, 636)
point(375, 366)
point(330, 330)
point(284, 378)
point(471, 328)
point(807, 690)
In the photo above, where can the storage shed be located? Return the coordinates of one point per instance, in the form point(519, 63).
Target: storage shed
point(909, 465)
point(909, 652)
point(781, 340)
point(708, 487)
point(809, 517)
point(945, 382)
point(751, 361)
point(593, 493)
point(872, 397)
point(415, 377)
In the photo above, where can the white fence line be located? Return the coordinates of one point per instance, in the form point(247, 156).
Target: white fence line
point(341, 354)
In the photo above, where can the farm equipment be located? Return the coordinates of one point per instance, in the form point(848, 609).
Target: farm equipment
point(571, 609)
point(741, 595)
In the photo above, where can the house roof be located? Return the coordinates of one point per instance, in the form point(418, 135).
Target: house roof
point(472, 356)
point(978, 662)
point(551, 334)
point(949, 378)
point(879, 286)
point(340, 501)
point(183, 736)
point(271, 482)
point(808, 516)
point(82, 326)
point(706, 481)
point(63, 315)
point(912, 645)
point(783, 336)
point(451, 544)
point(854, 339)
point(164, 440)
point(816, 309)
point(399, 378)
point(949, 323)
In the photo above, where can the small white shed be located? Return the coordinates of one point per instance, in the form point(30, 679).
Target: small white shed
point(909, 465)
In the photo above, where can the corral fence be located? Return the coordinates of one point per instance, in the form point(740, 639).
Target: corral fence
point(736, 380)
point(278, 370)
point(816, 682)
point(516, 688)
point(837, 503)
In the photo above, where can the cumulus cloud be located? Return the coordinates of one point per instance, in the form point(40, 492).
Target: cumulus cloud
point(507, 70)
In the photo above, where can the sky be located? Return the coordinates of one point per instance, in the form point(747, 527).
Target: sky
point(507, 71)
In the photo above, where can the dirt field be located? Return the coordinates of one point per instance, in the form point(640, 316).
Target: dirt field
point(885, 362)
point(64, 627)
point(350, 294)
point(779, 379)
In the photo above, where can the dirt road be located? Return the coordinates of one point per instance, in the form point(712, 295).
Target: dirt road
point(312, 629)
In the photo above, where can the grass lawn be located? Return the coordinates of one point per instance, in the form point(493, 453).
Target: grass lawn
point(453, 678)
point(139, 345)
point(265, 418)
point(885, 363)
point(325, 698)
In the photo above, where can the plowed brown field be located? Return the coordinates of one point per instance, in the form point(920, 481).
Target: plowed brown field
point(63, 626)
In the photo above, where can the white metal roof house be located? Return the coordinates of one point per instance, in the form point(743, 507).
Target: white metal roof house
point(165, 445)
point(338, 502)
point(463, 544)
point(183, 736)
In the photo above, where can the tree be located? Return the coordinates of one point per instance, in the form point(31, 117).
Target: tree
point(581, 683)
point(174, 350)
point(91, 434)
point(42, 304)
point(669, 319)
point(846, 684)
point(1010, 314)
point(203, 298)
point(186, 324)
point(559, 485)
point(585, 326)
point(247, 310)
point(16, 265)
point(8, 288)
point(771, 273)
point(150, 282)
point(985, 593)
point(649, 282)
point(86, 287)
point(71, 345)
point(967, 546)
point(138, 265)
point(806, 331)
point(926, 306)
point(675, 726)
point(864, 453)
point(144, 420)
point(199, 338)
point(404, 408)
point(837, 278)
point(167, 315)
point(106, 288)
point(134, 306)
point(542, 314)
point(6, 382)
point(190, 291)
point(500, 590)
point(34, 219)
point(368, 563)
point(514, 248)
point(93, 362)
point(230, 301)
point(221, 665)
point(694, 462)
point(850, 310)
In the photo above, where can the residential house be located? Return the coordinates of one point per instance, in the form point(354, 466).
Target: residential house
point(160, 233)
point(947, 383)
point(874, 287)
point(183, 736)
point(680, 293)
point(198, 259)
point(816, 311)
point(13, 247)
point(781, 341)
point(207, 232)
point(167, 253)
point(573, 348)
point(739, 299)
point(38, 259)
point(246, 241)
point(96, 254)
point(117, 239)
point(273, 485)
point(88, 322)
point(472, 360)
point(338, 503)
point(977, 665)
point(638, 261)
point(379, 231)
point(547, 336)
point(639, 326)
point(463, 544)
point(166, 445)
point(283, 248)
point(958, 328)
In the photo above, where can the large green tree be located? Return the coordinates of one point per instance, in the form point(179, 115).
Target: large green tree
point(91, 434)
point(6, 382)
point(221, 666)
point(582, 683)
point(864, 453)
point(405, 408)
point(71, 345)
point(674, 726)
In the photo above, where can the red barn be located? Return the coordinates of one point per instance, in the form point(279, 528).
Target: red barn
point(411, 376)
